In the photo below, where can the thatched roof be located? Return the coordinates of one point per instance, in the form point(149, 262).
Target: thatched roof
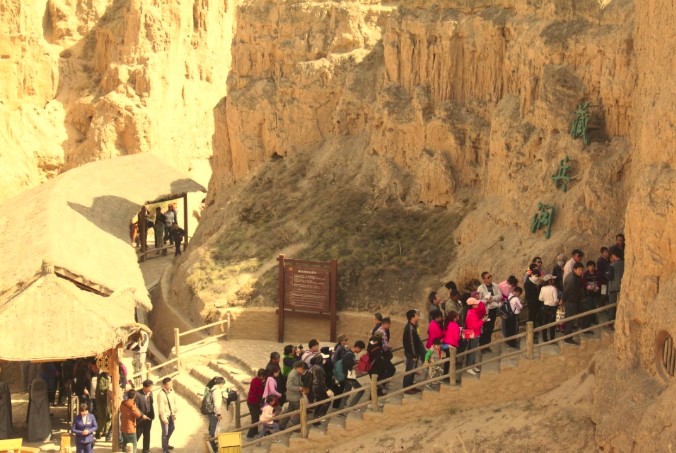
point(84, 324)
point(79, 222)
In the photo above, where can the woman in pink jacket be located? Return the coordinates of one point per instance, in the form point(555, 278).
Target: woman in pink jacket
point(434, 330)
point(452, 333)
point(473, 324)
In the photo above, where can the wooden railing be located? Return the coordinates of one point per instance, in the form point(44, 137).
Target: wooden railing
point(452, 374)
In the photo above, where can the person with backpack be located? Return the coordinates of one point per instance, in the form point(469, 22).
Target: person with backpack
point(512, 308)
point(549, 295)
point(212, 400)
point(254, 401)
point(339, 351)
point(378, 362)
point(347, 365)
point(451, 338)
point(319, 389)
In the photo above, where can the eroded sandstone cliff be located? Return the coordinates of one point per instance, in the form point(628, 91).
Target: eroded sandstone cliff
point(90, 79)
point(464, 107)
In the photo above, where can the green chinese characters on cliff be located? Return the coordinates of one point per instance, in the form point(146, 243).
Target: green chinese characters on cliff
point(561, 178)
point(579, 128)
point(543, 219)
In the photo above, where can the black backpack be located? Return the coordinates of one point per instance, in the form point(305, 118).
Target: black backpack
point(505, 311)
point(207, 407)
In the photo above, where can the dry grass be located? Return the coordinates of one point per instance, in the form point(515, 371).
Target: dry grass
point(387, 251)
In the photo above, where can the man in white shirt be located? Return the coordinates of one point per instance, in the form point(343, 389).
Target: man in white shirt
point(166, 402)
point(577, 256)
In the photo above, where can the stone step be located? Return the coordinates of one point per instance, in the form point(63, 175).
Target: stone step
point(236, 377)
point(189, 388)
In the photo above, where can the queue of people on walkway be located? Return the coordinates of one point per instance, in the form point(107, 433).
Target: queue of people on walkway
point(462, 320)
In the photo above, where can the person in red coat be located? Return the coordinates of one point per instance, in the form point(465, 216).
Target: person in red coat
point(254, 400)
point(473, 324)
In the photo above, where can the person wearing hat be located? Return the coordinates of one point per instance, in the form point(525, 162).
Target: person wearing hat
point(549, 296)
point(576, 257)
point(476, 315)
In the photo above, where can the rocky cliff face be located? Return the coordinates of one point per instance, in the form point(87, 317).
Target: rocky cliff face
point(634, 384)
point(464, 107)
point(90, 79)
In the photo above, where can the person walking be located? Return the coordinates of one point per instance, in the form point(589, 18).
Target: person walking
point(129, 413)
point(166, 404)
point(294, 392)
point(349, 361)
point(177, 233)
point(144, 402)
point(254, 401)
point(414, 350)
point(215, 389)
point(103, 397)
point(84, 427)
point(170, 218)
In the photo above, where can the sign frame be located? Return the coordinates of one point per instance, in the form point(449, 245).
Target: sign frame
point(307, 288)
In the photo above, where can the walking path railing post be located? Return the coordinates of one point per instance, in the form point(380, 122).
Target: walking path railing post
point(451, 367)
point(530, 348)
point(238, 418)
point(374, 393)
point(177, 347)
point(303, 417)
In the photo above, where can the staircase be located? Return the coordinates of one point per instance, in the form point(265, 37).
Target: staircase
point(559, 359)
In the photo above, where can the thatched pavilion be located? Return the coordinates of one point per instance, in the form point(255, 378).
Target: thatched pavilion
point(69, 280)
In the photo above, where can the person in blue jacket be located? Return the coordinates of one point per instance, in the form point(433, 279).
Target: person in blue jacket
point(84, 427)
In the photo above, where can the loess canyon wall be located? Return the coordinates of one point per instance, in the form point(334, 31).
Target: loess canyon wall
point(430, 130)
point(411, 140)
point(91, 79)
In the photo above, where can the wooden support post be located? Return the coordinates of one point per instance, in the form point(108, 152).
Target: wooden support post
point(303, 417)
point(451, 367)
point(238, 420)
point(530, 348)
point(143, 228)
point(147, 371)
point(177, 348)
point(229, 320)
point(280, 300)
point(185, 220)
point(374, 393)
point(115, 383)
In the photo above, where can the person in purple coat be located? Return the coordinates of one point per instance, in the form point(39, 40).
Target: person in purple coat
point(84, 427)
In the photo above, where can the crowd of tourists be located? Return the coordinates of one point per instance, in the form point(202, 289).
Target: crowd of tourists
point(164, 226)
point(463, 320)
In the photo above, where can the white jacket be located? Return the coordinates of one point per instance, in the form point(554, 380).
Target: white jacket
point(549, 295)
point(165, 401)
